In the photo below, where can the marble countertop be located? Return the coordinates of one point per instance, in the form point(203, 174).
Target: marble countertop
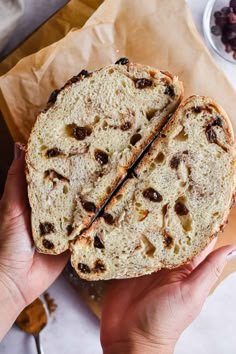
point(74, 330)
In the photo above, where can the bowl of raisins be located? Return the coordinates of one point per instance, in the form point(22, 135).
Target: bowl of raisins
point(219, 25)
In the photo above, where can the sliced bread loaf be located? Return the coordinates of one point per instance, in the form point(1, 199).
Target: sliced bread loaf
point(177, 201)
point(80, 148)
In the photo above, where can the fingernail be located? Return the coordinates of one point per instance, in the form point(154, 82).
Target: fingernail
point(231, 255)
point(17, 151)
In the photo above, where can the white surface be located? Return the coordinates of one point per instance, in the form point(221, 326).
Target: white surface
point(75, 330)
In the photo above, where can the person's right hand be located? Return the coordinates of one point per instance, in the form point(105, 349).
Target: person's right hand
point(148, 314)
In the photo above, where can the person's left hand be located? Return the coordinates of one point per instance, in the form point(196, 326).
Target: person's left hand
point(24, 273)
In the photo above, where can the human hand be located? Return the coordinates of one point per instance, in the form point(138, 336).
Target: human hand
point(148, 314)
point(24, 273)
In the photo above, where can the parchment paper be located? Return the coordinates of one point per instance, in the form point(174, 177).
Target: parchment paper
point(155, 32)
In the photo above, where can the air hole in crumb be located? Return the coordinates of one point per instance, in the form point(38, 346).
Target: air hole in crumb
point(135, 138)
point(182, 136)
point(123, 83)
point(43, 147)
point(96, 119)
point(150, 114)
point(138, 205)
point(176, 249)
point(97, 243)
point(111, 71)
point(149, 247)
point(164, 209)
point(119, 197)
point(188, 240)
point(142, 214)
point(65, 189)
point(52, 175)
point(189, 171)
point(137, 247)
point(69, 229)
point(152, 166)
point(105, 125)
point(69, 129)
point(159, 158)
point(186, 222)
point(215, 215)
point(183, 184)
point(108, 190)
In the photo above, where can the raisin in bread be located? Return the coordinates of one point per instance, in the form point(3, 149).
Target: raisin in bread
point(176, 202)
point(79, 149)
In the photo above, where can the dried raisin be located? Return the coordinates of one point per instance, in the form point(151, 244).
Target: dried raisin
point(152, 195)
point(84, 268)
point(143, 83)
point(101, 157)
point(48, 244)
point(46, 228)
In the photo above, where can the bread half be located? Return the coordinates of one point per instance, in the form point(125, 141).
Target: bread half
point(177, 201)
point(81, 147)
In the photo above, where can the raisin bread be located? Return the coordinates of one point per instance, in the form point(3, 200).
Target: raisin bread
point(177, 201)
point(80, 148)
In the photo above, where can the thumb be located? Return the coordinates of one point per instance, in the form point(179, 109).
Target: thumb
point(203, 277)
point(14, 200)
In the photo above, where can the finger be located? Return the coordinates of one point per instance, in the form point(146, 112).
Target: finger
point(183, 271)
point(45, 269)
point(14, 200)
point(202, 279)
point(198, 259)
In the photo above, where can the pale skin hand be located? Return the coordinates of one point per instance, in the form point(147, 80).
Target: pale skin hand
point(24, 273)
point(148, 314)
